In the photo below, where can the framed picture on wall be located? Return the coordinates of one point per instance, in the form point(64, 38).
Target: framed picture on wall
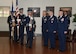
point(36, 11)
point(68, 9)
point(48, 8)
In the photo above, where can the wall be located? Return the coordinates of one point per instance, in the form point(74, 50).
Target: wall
point(42, 4)
point(3, 21)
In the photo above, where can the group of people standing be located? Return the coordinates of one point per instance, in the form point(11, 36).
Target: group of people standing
point(52, 25)
point(17, 23)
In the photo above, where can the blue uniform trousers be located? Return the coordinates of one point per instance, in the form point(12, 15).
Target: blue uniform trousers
point(30, 38)
point(62, 40)
point(15, 34)
point(45, 38)
point(21, 34)
point(52, 39)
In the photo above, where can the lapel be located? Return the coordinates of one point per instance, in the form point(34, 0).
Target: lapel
point(50, 18)
point(44, 17)
point(61, 19)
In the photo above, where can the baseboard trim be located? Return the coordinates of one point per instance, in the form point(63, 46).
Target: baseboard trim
point(6, 34)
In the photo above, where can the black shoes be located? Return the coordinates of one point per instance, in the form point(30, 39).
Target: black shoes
point(21, 43)
point(51, 47)
point(60, 50)
point(27, 46)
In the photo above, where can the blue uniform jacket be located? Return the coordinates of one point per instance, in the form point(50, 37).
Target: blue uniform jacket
point(68, 18)
point(9, 20)
point(52, 23)
point(62, 24)
point(27, 24)
point(44, 23)
point(23, 20)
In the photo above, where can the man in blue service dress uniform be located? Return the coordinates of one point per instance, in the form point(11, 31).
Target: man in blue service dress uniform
point(45, 28)
point(29, 28)
point(68, 17)
point(62, 30)
point(52, 28)
point(9, 21)
point(22, 23)
point(12, 25)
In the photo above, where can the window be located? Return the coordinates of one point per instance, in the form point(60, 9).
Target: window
point(4, 11)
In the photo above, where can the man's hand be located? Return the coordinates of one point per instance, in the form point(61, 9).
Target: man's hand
point(30, 28)
point(65, 32)
point(13, 24)
point(46, 30)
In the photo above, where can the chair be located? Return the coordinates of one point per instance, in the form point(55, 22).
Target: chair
point(74, 38)
point(69, 38)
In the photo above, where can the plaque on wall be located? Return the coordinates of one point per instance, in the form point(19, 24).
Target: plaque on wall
point(68, 9)
point(48, 8)
point(36, 11)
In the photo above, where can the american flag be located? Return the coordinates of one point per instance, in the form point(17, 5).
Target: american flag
point(17, 10)
point(12, 6)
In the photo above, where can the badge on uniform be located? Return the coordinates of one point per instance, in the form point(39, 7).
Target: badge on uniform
point(52, 20)
point(62, 19)
point(45, 20)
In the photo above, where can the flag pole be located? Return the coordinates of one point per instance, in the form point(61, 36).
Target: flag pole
point(12, 22)
point(17, 15)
